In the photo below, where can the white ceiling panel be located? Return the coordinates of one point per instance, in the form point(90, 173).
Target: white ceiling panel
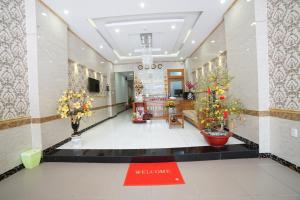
point(157, 17)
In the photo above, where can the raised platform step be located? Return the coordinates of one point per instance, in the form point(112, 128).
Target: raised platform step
point(152, 155)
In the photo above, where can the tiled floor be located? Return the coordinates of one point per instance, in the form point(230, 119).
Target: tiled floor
point(121, 133)
point(243, 179)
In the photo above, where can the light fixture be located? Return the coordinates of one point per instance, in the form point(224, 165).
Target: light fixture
point(253, 24)
point(130, 54)
point(142, 5)
point(166, 52)
point(212, 41)
point(142, 22)
point(44, 14)
point(82, 48)
point(181, 58)
point(187, 35)
point(117, 30)
point(196, 58)
point(222, 1)
point(92, 23)
point(102, 62)
point(193, 41)
point(220, 51)
point(66, 12)
point(248, 0)
point(115, 61)
point(173, 27)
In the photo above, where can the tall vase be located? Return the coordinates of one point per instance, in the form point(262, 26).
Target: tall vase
point(75, 126)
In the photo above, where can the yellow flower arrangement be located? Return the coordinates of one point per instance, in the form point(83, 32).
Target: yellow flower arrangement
point(170, 104)
point(75, 105)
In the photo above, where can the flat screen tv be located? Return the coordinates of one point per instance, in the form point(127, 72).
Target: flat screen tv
point(94, 85)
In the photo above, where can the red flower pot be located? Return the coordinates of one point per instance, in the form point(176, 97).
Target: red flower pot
point(216, 141)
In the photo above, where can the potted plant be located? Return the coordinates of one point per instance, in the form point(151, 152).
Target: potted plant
point(170, 105)
point(190, 94)
point(75, 105)
point(217, 108)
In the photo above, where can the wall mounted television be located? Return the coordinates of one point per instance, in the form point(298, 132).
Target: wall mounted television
point(94, 85)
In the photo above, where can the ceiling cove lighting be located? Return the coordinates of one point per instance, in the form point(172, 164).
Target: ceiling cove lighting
point(154, 21)
point(66, 12)
point(142, 5)
point(187, 35)
point(92, 23)
point(44, 14)
point(222, 1)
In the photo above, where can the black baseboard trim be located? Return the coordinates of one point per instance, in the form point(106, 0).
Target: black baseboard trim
point(52, 148)
point(280, 161)
point(246, 141)
point(11, 172)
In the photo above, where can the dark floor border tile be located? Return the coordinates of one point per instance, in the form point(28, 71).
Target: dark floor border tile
point(246, 141)
point(280, 161)
point(11, 172)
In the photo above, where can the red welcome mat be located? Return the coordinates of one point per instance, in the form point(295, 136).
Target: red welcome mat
point(141, 174)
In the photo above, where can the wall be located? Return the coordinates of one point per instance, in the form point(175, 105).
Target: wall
point(121, 87)
point(284, 64)
point(153, 79)
point(14, 97)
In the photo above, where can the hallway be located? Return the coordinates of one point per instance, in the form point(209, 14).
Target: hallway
point(121, 133)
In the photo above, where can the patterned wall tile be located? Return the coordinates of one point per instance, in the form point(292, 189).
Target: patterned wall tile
point(78, 78)
point(284, 53)
point(14, 101)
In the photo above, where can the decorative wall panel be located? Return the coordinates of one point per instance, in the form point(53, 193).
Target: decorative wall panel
point(14, 101)
point(78, 78)
point(284, 53)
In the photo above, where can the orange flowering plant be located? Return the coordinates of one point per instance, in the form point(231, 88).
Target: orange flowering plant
point(215, 105)
point(75, 105)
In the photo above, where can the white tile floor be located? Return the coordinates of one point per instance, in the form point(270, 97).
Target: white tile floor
point(239, 179)
point(121, 133)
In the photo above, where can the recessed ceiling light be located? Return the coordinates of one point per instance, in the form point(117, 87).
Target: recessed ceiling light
point(66, 12)
point(193, 41)
point(220, 51)
point(222, 1)
point(253, 24)
point(117, 30)
point(102, 62)
point(248, 0)
point(101, 46)
point(181, 58)
point(166, 52)
point(142, 5)
point(212, 41)
point(173, 27)
point(44, 14)
point(130, 54)
point(195, 57)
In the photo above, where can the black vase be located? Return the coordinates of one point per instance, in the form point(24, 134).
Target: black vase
point(75, 127)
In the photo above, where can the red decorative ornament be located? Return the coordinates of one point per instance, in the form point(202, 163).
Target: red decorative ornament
point(225, 114)
point(208, 90)
point(222, 97)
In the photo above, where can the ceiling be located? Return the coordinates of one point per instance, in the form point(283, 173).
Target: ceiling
point(113, 27)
